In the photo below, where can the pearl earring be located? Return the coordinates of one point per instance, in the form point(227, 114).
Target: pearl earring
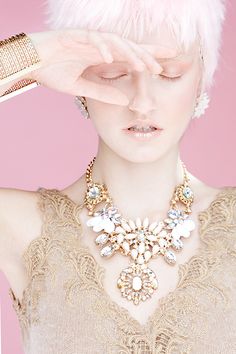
point(201, 105)
point(80, 101)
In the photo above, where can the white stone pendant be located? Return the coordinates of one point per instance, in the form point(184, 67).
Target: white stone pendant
point(183, 229)
point(137, 282)
point(105, 219)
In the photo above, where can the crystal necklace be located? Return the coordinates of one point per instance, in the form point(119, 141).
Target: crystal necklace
point(140, 240)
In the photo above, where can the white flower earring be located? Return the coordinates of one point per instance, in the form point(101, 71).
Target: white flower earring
point(80, 101)
point(201, 105)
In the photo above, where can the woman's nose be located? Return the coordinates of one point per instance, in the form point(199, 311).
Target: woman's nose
point(143, 99)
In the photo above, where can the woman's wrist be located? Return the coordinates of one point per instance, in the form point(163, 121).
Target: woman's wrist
point(16, 54)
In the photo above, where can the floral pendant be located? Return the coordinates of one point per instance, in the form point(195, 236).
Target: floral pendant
point(137, 282)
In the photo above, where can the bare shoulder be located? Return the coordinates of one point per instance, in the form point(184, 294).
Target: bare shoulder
point(20, 222)
point(205, 194)
point(76, 190)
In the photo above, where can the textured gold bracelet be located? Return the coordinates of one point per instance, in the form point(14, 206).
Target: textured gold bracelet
point(16, 54)
point(19, 87)
point(18, 57)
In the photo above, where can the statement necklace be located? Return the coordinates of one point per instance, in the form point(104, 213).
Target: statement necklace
point(140, 240)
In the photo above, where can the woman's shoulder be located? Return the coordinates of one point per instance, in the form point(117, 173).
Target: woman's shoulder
point(20, 223)
point(17, 212)
point(220, 210)
point(205, 194)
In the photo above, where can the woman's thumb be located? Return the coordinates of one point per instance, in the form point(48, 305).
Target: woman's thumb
point(107, 94)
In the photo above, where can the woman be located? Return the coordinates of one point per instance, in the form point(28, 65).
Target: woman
point(140, 71)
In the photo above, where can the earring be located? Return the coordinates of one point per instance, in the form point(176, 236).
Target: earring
point(201, 105)
point(80, 101)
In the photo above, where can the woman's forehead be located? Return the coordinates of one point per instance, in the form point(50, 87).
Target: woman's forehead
point(162, 53)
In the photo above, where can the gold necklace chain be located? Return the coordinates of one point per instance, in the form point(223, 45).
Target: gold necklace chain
point(138, 239)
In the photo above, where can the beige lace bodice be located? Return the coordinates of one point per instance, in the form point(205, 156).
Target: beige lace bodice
point(65, 309)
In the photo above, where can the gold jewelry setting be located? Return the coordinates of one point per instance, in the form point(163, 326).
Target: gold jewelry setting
point(140, 240)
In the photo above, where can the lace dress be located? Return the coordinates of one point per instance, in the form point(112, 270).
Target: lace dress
point(66, 310)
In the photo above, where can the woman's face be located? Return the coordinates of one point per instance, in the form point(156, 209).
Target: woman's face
point(165, 100)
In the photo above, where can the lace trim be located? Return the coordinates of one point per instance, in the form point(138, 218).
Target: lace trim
point(217, 230)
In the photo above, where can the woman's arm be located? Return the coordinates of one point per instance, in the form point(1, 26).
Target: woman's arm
point(64, 56)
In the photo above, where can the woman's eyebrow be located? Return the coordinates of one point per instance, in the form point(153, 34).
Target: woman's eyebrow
point(182, 56)
point(179, 57)
point(180, 60)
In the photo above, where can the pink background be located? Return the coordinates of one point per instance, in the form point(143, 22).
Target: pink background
point(44, 141)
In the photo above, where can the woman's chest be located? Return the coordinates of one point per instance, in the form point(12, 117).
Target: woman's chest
point(197, 317)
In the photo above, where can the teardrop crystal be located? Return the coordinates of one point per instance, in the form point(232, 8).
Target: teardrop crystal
point(132, 224)
point(158, 228)
point(106, 251)
point(138, 222)
point(101, 239)
point(152, 226)
point(147, 255)
point(130, 236)
point(125, 246)
point(134, 253)
point(145, 222)
point(126, 226)
point(155, 249)
point(170, 257)
point(141, 247)
point(120, 238)
point(152, 237)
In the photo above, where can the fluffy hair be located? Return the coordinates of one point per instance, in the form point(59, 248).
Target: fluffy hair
point(188, 20)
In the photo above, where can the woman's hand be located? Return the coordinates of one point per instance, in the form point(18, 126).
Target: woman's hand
point(65, 54)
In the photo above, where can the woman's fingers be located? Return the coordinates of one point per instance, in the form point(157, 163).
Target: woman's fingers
point(160, 51)
point(73, 36)
point(105, 93)
point(149, 52)
point(97, 40)
point(124, 50)
point(107, 43)
point(149, 60)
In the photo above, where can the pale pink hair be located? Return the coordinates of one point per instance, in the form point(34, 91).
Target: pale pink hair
point(186, 19)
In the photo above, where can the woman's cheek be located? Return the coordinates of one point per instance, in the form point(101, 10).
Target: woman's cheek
point(184, 95)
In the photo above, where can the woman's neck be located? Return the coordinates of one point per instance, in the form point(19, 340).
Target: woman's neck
point(139, 189)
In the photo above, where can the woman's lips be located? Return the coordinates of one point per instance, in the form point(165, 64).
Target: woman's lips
point(143, 135)
point(142, 123)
